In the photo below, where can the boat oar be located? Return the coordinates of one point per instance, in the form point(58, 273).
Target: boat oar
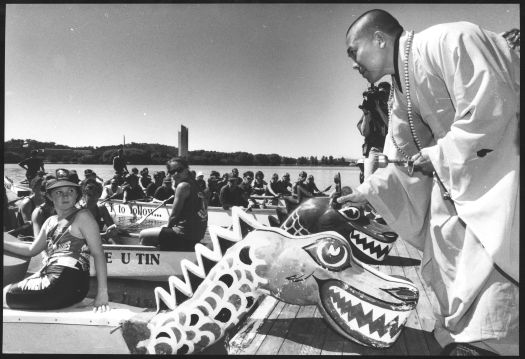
point(140, 221)
point(109, 198)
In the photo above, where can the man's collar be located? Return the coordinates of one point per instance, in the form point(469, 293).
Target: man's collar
point(396, 56)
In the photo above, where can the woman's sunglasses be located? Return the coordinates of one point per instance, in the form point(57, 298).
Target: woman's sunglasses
point(175, 170)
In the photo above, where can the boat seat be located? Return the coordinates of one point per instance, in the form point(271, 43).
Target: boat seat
point(80, 314)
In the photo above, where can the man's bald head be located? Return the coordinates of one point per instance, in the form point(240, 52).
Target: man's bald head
point(375, 20)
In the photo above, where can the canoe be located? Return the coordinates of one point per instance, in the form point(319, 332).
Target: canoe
point(20, 190)
point(135, 210)
point(72, 330)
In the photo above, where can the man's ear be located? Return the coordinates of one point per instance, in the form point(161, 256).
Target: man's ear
point(380, 39)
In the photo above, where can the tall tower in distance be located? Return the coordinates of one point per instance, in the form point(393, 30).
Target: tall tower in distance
point(183, 142)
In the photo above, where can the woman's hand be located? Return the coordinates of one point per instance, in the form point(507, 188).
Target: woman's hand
point(101, 302)
point(111, 230)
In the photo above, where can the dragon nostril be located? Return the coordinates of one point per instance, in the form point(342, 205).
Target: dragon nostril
point(391, 236)
point(227, 279)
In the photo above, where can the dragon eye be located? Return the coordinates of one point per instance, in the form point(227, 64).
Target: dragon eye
point(351, 213)
point(330, 253)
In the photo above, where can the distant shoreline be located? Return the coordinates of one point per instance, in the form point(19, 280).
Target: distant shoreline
point(216, 164)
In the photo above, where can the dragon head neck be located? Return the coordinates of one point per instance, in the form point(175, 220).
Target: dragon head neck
point(359, 302)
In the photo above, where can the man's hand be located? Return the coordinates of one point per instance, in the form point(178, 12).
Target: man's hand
point(355, 197)
point(422, 163)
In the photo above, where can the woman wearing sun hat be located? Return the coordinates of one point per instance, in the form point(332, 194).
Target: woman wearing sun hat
point(68, 238)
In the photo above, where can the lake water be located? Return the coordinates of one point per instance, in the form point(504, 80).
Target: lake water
point(323, 176)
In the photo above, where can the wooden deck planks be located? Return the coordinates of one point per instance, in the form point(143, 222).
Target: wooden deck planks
point(299, 331)
point(317, 335)
point(424, 306)
point(244, 337)
point(280, 328)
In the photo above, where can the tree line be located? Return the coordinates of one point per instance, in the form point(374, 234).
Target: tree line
point(15, 150)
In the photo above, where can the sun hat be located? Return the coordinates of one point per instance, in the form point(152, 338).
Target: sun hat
point(56, 183)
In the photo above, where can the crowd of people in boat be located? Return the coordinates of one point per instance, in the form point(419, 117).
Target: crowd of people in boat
point(226, 190)
point(65, 217)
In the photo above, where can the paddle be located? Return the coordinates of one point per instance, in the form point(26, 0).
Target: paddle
point(109, 198)
point(140, 221)
point(263, 197)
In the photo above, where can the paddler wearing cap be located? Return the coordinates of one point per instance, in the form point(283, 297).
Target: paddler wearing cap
point(189, 214)
point(67, 239)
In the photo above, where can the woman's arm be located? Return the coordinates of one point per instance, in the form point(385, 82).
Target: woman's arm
point(181, 193)
point(85, 224)
point(125, 196)
point(270, 190)
point(29, 249)
point(25, 209)
point(111, 227)
point(37, 220)
point(365, 123)
point(224, 199)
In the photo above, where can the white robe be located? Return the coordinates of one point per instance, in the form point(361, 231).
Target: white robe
point(464, 86)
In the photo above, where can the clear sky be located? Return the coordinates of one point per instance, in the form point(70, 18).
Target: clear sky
point(260, 78)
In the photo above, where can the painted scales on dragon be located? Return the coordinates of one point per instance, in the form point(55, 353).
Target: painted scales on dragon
point(292, 264)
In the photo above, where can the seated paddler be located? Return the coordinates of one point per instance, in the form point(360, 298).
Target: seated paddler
point(189, 214)
point(67, 240)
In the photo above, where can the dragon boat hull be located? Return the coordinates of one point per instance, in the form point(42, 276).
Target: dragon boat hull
point(131, 261)
point(218, 216)
point(18, 189)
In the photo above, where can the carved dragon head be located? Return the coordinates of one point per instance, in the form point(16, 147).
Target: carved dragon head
point(370, 239)
point(359, 302)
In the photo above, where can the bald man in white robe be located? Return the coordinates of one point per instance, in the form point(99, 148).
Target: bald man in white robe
point(464, 88)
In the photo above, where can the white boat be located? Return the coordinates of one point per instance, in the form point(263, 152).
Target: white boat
point(20, 190)
point(139, 261)
point(129, 259)
point(216, 215)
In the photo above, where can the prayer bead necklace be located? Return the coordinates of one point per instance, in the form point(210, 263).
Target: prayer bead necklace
point(446, 194)
point(409, 108)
